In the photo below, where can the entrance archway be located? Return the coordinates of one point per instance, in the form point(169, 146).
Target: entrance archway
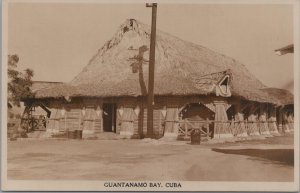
point(198, 115)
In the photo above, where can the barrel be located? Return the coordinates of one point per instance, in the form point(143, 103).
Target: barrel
point(196, 137)
point(78, 134)
point(71, 134)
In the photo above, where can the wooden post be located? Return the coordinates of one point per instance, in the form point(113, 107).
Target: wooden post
point(101, 117)
point(215, 129)
point(285, 122)
point(179, 123)
point(263, 126)
point(113, 118)
point(279, 114)
point(239, 116)
point(57, 122)
point(159, 124)
point(185, 130)
point(94, 121)
point(207, 128)
point(66, 130)
point(290, 120)
point(65, 123)
point(79, 122)
point(272, 119)
point(232, 126)
point(252, 121)
point(150, 132)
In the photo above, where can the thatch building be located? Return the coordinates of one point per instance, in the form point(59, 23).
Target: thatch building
point(195, 87)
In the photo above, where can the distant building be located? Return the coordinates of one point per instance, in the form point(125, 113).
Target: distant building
point(285, 50)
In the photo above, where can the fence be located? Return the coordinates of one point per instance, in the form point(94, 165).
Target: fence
point(210, 127)
point(187, 126)
point(33, 123)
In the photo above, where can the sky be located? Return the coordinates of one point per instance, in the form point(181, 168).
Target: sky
point(57, 40)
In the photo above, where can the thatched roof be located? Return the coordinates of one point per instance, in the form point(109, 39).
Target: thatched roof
point(38, 85)
point(284, 96)
point(120, 68)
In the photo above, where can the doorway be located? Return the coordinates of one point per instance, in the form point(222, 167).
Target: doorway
point(109, 117)
point(197, 115)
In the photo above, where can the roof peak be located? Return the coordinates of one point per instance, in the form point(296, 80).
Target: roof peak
point(133, 25)
point(129, 25)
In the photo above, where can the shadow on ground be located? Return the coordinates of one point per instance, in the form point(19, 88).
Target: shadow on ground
point(281, 156)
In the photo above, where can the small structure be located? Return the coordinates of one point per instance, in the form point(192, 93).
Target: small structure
point(194, 88)
point(285, 50)
point(35, 114)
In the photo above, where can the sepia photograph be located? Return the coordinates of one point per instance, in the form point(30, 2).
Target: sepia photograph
point(150, 96)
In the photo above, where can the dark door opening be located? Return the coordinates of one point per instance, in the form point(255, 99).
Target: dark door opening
point(109, 117)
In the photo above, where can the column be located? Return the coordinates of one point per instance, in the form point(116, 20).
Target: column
point(279, 120)
point(128, 117)
point(291, 121)
point(263, 125)
point(252, 121)
point(272, 119)
point(240, 125)
point(171, 123)
point(285, 125)
point(222, 125)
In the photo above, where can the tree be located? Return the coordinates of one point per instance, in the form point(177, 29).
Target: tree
point(19, 84)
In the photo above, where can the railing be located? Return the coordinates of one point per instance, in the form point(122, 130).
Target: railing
point(33, 123)
point(186, 127)
point(233, 127)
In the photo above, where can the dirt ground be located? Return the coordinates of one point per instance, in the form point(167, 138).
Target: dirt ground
point(271, 159)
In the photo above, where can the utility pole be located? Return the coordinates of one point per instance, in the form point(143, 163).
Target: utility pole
point(150, 130)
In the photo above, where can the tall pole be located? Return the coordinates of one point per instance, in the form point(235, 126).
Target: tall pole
point(150, 131)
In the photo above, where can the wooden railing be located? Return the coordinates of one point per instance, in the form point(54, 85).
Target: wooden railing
point(186, 127)
point(33, 123)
